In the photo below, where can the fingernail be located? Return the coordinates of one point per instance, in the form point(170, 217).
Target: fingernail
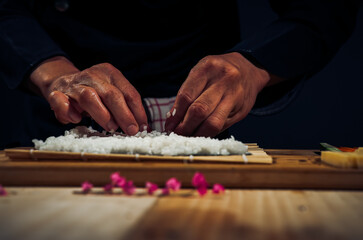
point(74, 117)
point(132, 129)
point(112, 126)
point(174, 111)
point(168, 114)
point(143, 127)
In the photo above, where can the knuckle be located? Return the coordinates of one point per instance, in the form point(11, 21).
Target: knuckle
point(106, 69)
point(214, 124)
point(132, 95)
point(85, 75)
point(87, 94)
point(226, 69)
point(63, 82)
point(52, 96)
point(110, 95)
point(57, 105)
point(199, 110)
point(231, 72)
point(90, 76)
point(104, 65)
point(185, 97)
point(210, 62)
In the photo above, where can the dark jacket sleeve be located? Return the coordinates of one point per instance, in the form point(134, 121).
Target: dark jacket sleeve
point(303, 39)
point(23, 42)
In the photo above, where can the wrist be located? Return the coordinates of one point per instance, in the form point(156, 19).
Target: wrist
point(267, 81)
point(42, 77)
point(264, 77)
point(257, 74)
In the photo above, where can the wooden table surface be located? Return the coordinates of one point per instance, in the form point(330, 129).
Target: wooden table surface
point(63, 213)
point(59, 213)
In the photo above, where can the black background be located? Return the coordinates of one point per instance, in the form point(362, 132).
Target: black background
point(328, 108)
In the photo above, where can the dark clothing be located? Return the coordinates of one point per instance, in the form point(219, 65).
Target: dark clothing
point(156, 43)
point(153, 44)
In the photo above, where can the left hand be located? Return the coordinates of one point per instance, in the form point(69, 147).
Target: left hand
point(219, 91)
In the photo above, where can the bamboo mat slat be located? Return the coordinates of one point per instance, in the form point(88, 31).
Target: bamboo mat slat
point(256, 155)
point(292, 169)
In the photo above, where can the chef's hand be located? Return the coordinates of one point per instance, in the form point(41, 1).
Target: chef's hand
point(219, 91)
point(101, 91)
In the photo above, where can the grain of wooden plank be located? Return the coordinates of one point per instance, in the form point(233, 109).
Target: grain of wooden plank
point(289, 170)
point(58, 213)
point(255, 214)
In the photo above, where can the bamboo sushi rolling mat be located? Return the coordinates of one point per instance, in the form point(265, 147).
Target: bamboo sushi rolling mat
point(298, 169)
point(255, 155)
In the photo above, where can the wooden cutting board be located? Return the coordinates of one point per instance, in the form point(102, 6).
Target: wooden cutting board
point(295, 169)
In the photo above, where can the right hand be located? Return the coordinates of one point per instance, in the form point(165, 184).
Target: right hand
point(101, 91)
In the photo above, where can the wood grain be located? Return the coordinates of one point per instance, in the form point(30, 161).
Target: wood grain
point(59, 213)
point(62, 214)
point(255, 214)
point(298, 169)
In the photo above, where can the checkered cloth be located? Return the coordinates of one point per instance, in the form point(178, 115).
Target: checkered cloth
point(158, 108)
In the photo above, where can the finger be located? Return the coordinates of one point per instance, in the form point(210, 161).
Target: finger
point(115, 102)
point(216, 121)
point(62, 108)
point(132, 98)
point(235, 116)
point(188, 93)
point(88, 100)
point(75, 105)
point(200, 110)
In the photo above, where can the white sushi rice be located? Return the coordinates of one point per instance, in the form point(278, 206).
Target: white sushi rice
point(82, 139)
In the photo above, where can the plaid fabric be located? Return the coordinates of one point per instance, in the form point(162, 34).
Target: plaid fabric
point(158, 108)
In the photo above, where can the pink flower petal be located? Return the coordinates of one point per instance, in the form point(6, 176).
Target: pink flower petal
point(165, 191)
point(114, 176)
point(117, 179)
point(129, 187)
point(199, 181)
point(202, 190)
point(121, 182)
point(2, 191)
point(86, 187)
point(108, 188)
point(218, 188)
point(151, 187)
point(173, 184)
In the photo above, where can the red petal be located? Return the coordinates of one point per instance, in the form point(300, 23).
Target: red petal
point(151, 187)
point(202, 191)
point(129, 188)
point(199, 180)
point(173, 184)
point(86, 187)
point(218, 188)
point(165, 191)
point(108, 188)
